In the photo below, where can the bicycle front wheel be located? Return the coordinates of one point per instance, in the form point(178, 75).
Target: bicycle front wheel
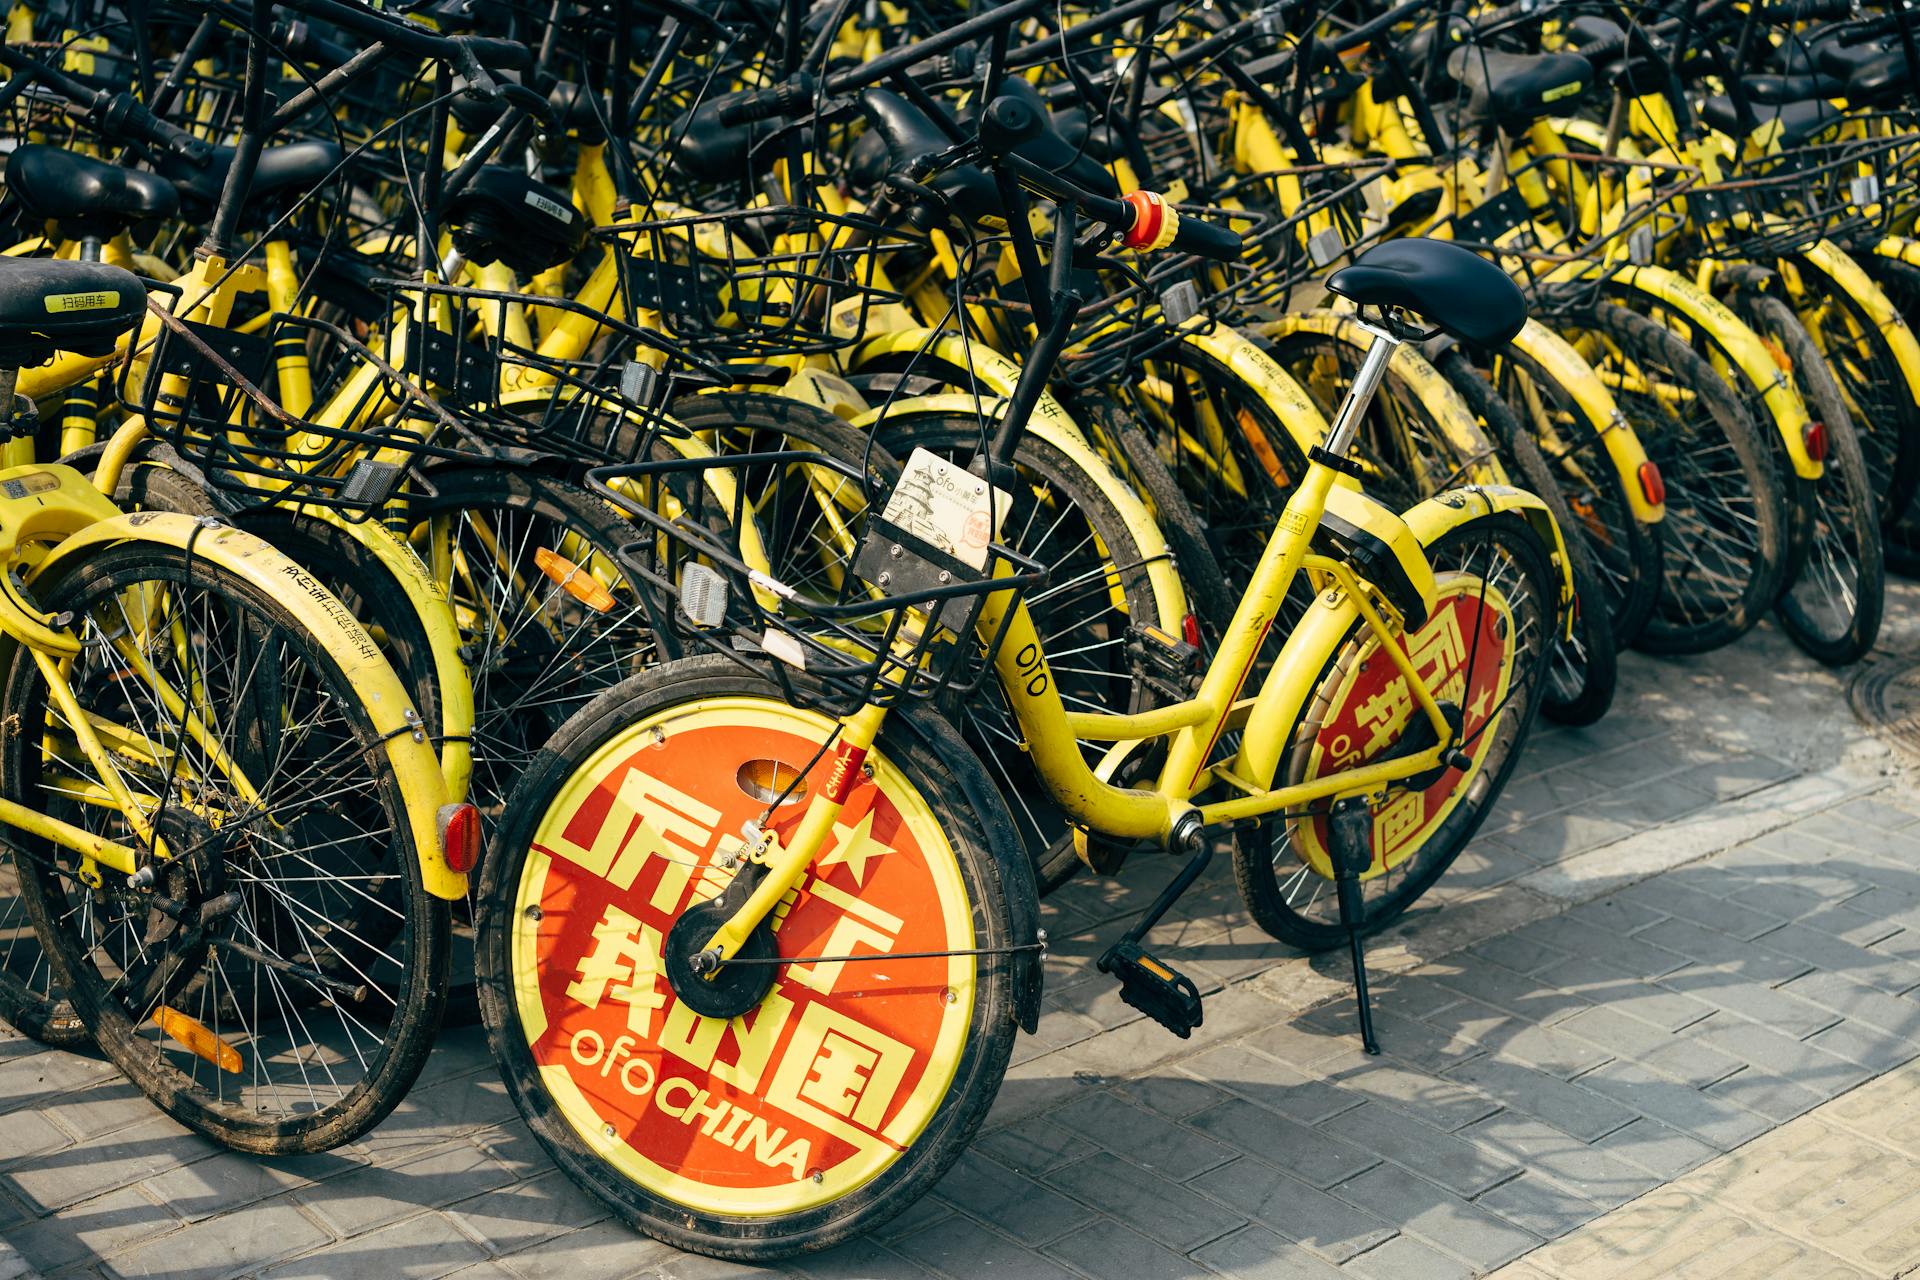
point(277, 984)
point(849, 1086)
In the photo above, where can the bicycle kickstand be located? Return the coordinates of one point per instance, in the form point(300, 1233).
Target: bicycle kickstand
point(1350, 828)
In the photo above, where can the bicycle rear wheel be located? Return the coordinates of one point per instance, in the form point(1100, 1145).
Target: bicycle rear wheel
point(279, 982)
point(1725, 535)
point(1493, 622)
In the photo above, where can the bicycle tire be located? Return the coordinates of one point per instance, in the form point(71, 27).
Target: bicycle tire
point(722, 712)
point(1833, 606)
point(1624, 346)
point(1584, 671)
point(411, 977)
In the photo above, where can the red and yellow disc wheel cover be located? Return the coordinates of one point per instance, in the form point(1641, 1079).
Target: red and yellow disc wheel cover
point(817, 1090)
point(1464, 654)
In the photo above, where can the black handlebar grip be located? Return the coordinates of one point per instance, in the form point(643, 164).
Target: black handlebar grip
point(497, 54)
point(122, 116)
point(1208, 240)
point(303, 42)
point(530, 102)
point(793, 98)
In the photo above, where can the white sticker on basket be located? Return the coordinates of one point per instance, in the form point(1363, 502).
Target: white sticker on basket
point(552, 208)
point(948, 506)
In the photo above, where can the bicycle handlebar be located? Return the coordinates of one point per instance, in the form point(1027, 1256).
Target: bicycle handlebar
point(790, 99)
point(118, 114)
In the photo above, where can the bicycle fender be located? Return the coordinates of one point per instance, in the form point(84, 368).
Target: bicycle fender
point(1436, 394)
point(1455, 507)
point(251, 559)
point(1260, 371)
point(1557, 356)
point(1169, 594)
point(1383, 548)
point(1845, 270)
point(1009, 853)
point(996, 372)
point(443, 635)
point(1784, 405)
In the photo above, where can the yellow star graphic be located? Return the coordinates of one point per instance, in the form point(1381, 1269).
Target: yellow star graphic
point(1479, 704)
point(854, 845)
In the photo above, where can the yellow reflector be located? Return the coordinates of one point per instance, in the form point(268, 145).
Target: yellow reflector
point(574, 580)
point(196, 1039)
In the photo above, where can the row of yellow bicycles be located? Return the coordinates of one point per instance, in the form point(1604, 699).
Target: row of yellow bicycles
point(667, 525)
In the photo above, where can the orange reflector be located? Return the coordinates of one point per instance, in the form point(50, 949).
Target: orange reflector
point(1779, 354)
point(197, 1040)
point(460, 836)
point(574, 580)
point(1816, 438)
point(1652, 486)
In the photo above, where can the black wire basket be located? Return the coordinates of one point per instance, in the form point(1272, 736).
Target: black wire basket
point(1320, 215)
point(1850, 191)
point(778, 280)
point(443, 391)
point(1568, 222)
point(875, 615)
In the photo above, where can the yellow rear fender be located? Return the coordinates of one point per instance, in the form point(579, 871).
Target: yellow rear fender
point(1463, 433)
point(1169, 595)
point(415, 767)
point(1564, 365)
point(1260, 371)
point(1755, 362)
point(1852, 279)
point(1382, 548)
point(443, 635)
point(996, 373)
point(1431, 519)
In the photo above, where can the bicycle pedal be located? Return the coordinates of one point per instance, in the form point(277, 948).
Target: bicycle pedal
point(1162, 993)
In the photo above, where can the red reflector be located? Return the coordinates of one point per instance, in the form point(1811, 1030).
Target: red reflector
point(1652, 487)
point(1816, 437)
point(460, 836)
point(1190, 630)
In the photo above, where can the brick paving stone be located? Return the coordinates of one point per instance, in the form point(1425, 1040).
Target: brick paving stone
point(1825, 1073)
point(1522, 954)
point(1665, 895)
point(1173, 1215)
point(1319, 1156)
point(1688, 1060)
point(1751, 960)
point(1530, 1144)
point(51, 1182)
point(1640, 955)
point(1601, 984)
point(1721, 1123)
point(373, 1196)
point(1873, 1049)
point(91, 1229)
point(516, 1217)
point(1773, 1096)
point(1437, 1216)
point(1570, 1107)
point(1500, 987)
point(1672, 1233)
point(31, 1134)
point(1539, 1204)
point(98, 1111)
point(424, 1247)
point(1258, 1254)
point(1660, 1149)
point(1142, 1136)
point(600, 1251)
point(1404, 1258)
point(237, 1244)
point(1838, 960)
point(1271, 1083)
point(1439, 1100)
point(1035, 1147)
point(861, 1259)
point(1334, 1228)
point(960, 1247)
point(1018, 1206)
point(1458, 1165)
point(1109, 1249)
point(1755, 1000)
point(1179, 1096)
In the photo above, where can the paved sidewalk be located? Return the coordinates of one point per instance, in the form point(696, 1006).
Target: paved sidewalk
point(1665, 1002)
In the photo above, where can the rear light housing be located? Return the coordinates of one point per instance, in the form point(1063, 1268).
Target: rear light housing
point(1652, 487)
point(1815, 437)
point(460, 836)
